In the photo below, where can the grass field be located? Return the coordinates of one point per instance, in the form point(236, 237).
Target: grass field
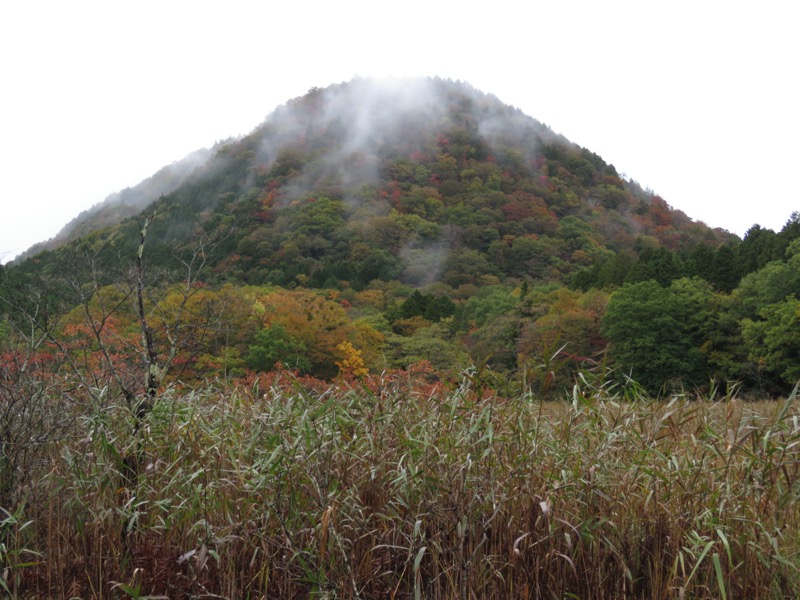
point(278, 489)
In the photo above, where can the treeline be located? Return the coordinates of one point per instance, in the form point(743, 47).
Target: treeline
point(662, 331)
point(723, 266)
point(697, 319)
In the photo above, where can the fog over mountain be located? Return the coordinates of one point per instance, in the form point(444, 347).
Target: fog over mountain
point(418, 179)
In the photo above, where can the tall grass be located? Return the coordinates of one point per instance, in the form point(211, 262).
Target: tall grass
point(392, 491)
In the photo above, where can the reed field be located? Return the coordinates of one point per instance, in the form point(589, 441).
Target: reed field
point(391, 488)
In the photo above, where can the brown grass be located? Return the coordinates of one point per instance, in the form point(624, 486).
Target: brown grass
point(348, 493)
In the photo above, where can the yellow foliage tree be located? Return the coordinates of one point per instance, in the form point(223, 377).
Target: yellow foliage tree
point(319, 323)
point(352, 365)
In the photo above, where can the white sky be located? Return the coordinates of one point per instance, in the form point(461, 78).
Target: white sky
point(698, 101)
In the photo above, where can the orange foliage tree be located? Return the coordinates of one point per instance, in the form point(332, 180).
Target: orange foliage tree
point(319, 322)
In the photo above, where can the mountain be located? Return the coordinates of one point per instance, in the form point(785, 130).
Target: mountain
point(418, 180)
point(374, 225)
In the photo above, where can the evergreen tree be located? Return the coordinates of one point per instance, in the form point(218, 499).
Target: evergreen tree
point(723, 274)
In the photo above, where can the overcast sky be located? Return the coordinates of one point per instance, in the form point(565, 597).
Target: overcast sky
point(697, 101)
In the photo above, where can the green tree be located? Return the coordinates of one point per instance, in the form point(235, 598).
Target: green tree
point(726, 351)
point(576, 232)
point(492, 320)
point(273, 345)
point(434, 344)
point(759, 247)
point(319, 217)
point(438, 308)
point(431, 307)
point(699, 260)
point(773, 283)
point(660, 264)
point(774, 345)
point(466, 266)
point(658, 333)
point(724, 275)
point(414, 306)
point(791, 231)
point(489, 303)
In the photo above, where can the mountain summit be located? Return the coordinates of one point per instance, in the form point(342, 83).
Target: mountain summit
point(420, 180)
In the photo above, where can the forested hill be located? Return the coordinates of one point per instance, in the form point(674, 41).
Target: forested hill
point(416, 180)
point(429, 221)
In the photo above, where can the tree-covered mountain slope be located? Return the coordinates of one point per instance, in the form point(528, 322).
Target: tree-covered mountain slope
point(417, 180)
point(375, 224)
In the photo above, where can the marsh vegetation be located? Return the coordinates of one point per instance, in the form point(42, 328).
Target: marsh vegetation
point(401, 487)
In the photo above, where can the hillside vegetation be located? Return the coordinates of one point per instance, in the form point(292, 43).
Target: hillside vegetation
point(430, 221)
